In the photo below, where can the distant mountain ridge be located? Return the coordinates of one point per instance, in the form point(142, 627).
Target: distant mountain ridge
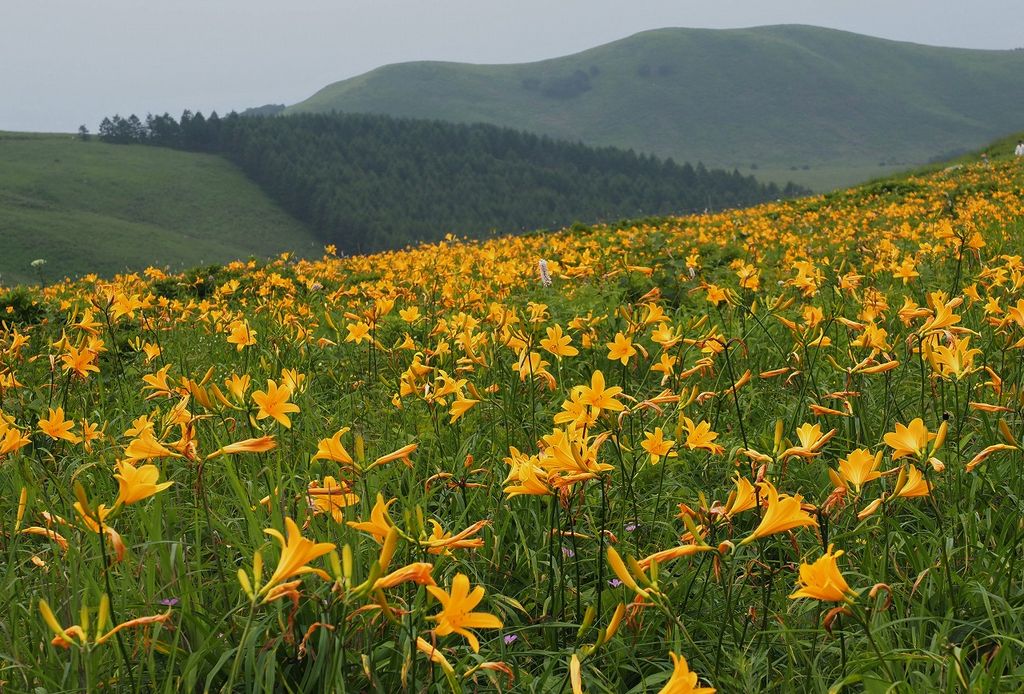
point(767, 100)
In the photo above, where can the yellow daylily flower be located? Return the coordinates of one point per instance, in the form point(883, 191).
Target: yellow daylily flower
point(456, 615)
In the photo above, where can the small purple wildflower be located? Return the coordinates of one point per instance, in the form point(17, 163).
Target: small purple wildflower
point(169, 602)
point(568, 552)
point(630, 527)
point(615, 583)
point(509, 639)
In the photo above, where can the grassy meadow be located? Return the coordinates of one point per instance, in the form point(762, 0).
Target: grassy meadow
point(110, 209)
point(773, 449)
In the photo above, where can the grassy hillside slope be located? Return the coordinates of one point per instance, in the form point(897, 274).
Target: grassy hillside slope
point(845, 106)
point(94, 207)
point(840, 505)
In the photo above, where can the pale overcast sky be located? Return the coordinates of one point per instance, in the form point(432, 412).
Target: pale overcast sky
point(68, 62)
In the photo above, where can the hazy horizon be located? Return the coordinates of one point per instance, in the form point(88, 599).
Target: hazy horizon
point(75, 64)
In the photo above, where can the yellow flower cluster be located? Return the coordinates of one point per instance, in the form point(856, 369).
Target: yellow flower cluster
point(793, 377)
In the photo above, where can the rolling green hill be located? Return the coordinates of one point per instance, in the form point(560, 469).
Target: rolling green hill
point(95, 207)
point(820, 107)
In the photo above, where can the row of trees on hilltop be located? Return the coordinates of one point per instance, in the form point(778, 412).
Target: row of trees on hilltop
point(369, 182)
point(192, 132)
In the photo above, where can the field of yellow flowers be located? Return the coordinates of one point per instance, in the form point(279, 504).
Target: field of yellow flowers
point(774, 449)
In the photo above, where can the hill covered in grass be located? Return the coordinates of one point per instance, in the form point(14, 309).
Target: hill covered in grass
point(373, 182)
point(817, 106)
point(95, 207)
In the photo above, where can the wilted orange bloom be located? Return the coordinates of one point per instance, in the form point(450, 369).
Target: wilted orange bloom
point(756, 456)
point(440, 541)
point(418, 572)
point(94, 519)
point(743, 380)
point(402, 454)
point(259, 445)
point(133, 623)
point(985, 453)
point(821, 411)
point(667, 555)
point(576, 674)
point(986, 407)
point(76, 635)
point(870, 509)
point(47, 533)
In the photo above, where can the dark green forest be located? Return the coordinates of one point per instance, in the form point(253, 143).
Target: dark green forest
point(370, 182)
